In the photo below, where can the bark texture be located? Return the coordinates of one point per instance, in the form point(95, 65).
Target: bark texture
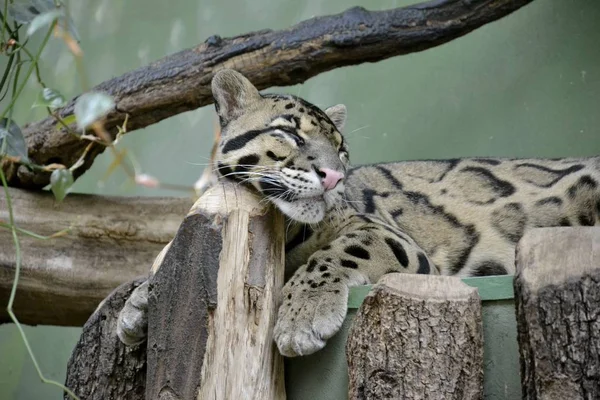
point(113, 240)
point(101, 367)
point(557, 295)
point(213, 304)
point(181, 82)
point(417, 337)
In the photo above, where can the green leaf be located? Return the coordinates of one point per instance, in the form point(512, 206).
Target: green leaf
point(50, 98)
point(43, 20)
point(92, 106)
point(60, 182)
point(12, 142)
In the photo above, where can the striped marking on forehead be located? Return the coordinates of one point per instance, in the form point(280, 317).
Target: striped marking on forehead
point(282, 121)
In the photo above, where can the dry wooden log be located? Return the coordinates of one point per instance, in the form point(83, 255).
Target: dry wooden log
point(210, 334)
point(181, 82)
point(101, 367)
point(557, 295)
point(417, 337)
point(112, 240)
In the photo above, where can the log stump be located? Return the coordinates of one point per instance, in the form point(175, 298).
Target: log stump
point(101, 367)
point(557, 297)
point(211, 311)
point(417, 337)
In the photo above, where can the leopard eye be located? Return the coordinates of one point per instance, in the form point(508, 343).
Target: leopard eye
point(292, 134)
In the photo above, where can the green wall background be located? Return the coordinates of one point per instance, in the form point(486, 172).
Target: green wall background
point(528, 85)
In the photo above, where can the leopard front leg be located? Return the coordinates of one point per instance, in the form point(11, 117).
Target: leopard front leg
point(315, 299)
point(132, 323)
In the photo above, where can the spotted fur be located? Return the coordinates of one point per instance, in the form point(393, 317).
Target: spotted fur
point(458, 217)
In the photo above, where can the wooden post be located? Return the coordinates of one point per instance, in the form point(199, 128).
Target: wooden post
point(211, 311)
point(210, 334)
point(557, 295)
point(417, 337)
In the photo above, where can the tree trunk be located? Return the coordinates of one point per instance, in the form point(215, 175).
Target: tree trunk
point(101, 367)
point(557, 295)
point(417, 337)
point(213, 305)
point(181, 82)
point(112, 240)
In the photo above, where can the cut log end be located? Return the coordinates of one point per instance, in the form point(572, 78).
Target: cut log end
point(557, 297)
point(417, 336)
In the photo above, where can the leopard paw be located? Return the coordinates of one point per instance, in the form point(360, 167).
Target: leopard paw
point(132, 324)
point(309, 316)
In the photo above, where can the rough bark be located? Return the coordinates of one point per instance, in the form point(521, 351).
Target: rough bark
point(417, 337)
point(557, 295)
point(213, 303)
point(112, 240)
point(101, 367)
point(181, 82)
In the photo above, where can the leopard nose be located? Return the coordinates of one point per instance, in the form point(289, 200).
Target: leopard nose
point(330, 178)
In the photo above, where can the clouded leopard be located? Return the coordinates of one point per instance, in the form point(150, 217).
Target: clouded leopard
point(350, 226)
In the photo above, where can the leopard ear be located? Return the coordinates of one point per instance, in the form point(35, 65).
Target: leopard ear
point(233, 93)
point(337, 114)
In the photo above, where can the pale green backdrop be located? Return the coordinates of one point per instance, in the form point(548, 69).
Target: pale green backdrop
point(528, 85)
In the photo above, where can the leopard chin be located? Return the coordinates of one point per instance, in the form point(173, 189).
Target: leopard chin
point(308, 211)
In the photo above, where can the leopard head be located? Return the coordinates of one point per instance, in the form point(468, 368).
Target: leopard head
point(289, 150)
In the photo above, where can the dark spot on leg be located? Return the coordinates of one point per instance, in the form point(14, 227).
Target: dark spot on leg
point(323, 268)
point(423, 264)
point(311, 265)
point(349, 264)
point(358, 252)
point(398, 251)
point(586, 220)
point(487, 268)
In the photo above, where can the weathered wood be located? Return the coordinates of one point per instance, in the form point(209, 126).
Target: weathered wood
point(181, 82)
point(113, 240)
point(210, 334)
point(101, 367)
point(417, 337)
point(557, 295)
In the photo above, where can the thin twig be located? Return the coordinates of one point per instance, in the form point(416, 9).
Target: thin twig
point(13, 291)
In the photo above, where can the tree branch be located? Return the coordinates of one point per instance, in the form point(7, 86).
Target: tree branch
point(181, 82)
point(111, 240)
